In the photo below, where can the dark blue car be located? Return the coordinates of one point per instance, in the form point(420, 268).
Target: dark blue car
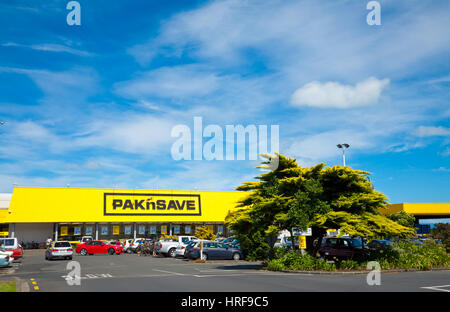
point(214, 251)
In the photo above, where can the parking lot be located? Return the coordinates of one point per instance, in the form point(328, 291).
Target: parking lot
point(130, 272)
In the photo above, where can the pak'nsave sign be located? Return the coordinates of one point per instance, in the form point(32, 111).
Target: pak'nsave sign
point(132, 204)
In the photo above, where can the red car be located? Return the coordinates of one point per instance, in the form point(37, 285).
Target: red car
point(98, 247)
point(17, 253)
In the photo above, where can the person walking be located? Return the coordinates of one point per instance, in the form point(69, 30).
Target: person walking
point(48, 242)
point(155, 243)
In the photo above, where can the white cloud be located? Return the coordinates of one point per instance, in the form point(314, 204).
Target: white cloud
point(170, 82)
point(50, 47)
point(130, 133)
point(425, 131)
point(90, 165)
point(204, 175)
point(442, 169)
point(322, 146)
point(336, 95)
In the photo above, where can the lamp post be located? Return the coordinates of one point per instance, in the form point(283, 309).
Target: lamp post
point(343, 146)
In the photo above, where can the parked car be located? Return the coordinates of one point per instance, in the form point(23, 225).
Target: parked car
point(127, 245)
point(85, 239)
point(5, 260)
point(416, 241)
point(214, 251)
point(115, 242)
point(227, 240)
point(134, 244)
point(168, 247)
point(59, 249)
point(181, 249)
point(376, 244)
point(9, 253)
point(342, 248)
point(11, 244)
point(98, 247)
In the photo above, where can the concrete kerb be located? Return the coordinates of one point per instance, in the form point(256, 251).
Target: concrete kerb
point(22, 285)
point(359, 272)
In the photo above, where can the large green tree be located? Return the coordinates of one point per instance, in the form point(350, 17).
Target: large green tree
point(403, 218)
point(318, 196)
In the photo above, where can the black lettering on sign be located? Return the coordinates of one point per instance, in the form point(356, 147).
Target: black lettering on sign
point(128, 204)
point(138, 204)
point(117, 203)
point(171, 205)
point(161, 204)
point(180, 207)
point(190, 205)
point(148, 204)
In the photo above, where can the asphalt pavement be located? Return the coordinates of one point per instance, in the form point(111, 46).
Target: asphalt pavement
point(133, 273)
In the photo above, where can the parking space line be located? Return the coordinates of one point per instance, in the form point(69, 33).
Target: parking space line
point(169, 272)
point(438, 288)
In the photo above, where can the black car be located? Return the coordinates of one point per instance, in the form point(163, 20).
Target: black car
point(341, 248)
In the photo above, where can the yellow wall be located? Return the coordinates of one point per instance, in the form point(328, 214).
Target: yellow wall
point(420, 209)
point(40, 204)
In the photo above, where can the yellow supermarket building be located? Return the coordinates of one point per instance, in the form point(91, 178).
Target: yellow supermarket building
point(37, 213)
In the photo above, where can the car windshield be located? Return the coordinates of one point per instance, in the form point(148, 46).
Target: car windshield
point(356, 242)
point(8, 242)
point(62, 244)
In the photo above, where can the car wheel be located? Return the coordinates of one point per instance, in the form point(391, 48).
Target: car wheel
point(236, 256)
point(70, 258)
point(172, 252)
point(129, 251)
point(111, 251)
point(204, 256)
point(83, 252)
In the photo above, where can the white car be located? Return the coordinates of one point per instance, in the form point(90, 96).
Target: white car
point(59, 249)
point(126, 245)
point(181, 249)
point(85, 239)
point(168, 247)
point(5, 260)
point(4, 251)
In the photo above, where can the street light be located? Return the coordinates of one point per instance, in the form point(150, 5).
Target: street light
point(343, 146)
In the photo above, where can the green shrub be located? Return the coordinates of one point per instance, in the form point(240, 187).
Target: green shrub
point(402, 255)
point(407, 255)
point(279, 252)
point(294, 260)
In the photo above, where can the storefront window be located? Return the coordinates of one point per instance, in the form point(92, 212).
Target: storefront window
point(77, 230)
point(89, 230)
point(104, 231)
point(4, 230)
point(127, 229)
point(141, 230)
point(70, 232)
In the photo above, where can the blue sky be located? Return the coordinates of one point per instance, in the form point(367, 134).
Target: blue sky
point(94, 105)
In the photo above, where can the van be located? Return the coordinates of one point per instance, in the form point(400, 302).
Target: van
point(9, 243)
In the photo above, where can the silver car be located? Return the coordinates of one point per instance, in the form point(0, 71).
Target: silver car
point(59, 249)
